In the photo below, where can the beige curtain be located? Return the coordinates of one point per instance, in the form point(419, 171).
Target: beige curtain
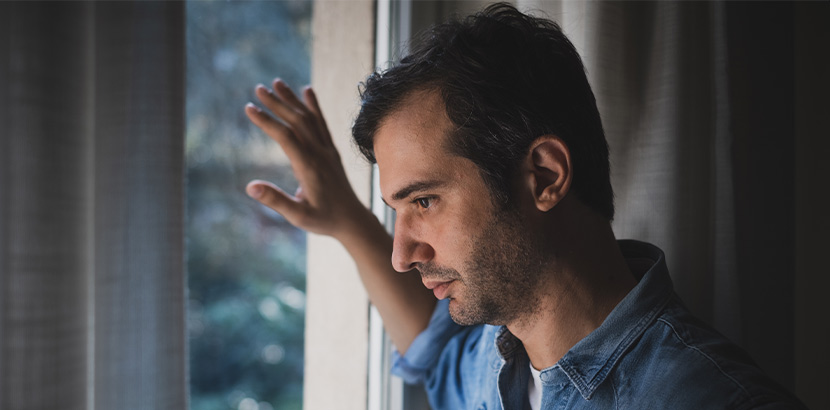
point(91, 206)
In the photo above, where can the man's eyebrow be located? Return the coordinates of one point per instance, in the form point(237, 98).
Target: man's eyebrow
point(414, 187)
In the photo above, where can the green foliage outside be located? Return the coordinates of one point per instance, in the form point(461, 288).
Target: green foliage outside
point(246, 264)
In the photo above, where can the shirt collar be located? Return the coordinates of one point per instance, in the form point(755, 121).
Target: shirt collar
point(589, 362)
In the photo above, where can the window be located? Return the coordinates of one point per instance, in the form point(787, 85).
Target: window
point(246, 264)
point(387, 392)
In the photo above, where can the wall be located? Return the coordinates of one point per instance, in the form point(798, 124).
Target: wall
point(337, 306)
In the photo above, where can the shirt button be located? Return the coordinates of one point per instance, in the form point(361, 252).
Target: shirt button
point(545, 377)
point(483, 406)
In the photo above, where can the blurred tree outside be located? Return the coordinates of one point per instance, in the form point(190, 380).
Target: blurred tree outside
point(246, 264)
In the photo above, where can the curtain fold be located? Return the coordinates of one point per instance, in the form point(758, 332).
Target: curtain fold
point(92, 281)
point(708, 108)
point(694, 130)
point(697, 100)
point(764, 140)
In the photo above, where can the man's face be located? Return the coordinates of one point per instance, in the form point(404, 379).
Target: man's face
point(447, 226)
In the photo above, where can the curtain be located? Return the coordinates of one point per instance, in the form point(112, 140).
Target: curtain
point(698, 103)
point(92, 282)
point(660, 72)
point(681, 102)
point(716, 116)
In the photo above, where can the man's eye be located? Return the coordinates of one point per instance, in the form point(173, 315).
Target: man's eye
point(424, 202)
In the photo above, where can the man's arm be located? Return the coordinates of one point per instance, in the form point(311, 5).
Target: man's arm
point(326, 204)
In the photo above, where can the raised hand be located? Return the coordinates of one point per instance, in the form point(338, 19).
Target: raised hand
point(324, 203)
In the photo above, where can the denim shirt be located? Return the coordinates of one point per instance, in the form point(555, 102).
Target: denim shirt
point(649, 353)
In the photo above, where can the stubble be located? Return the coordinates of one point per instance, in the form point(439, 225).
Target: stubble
point(502, 274)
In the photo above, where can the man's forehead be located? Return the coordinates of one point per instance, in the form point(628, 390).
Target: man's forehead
point(423, 100)
point(411, 147)
point(419, 123)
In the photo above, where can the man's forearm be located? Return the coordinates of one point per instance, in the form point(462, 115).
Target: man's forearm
point(401, 299)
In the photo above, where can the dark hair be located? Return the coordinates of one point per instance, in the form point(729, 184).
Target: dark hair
point(505, 78)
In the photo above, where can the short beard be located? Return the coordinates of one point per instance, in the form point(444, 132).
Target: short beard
point(503, 273)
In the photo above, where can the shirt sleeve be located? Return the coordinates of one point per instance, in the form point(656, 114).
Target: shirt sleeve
point(425, 350)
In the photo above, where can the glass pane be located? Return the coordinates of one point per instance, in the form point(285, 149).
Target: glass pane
point(246, 264)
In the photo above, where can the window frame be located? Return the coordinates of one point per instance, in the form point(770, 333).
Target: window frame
point(385, 391)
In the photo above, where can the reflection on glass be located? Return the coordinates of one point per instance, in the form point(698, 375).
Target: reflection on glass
point(246, 264)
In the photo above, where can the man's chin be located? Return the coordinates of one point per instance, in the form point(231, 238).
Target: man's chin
point(466, 317)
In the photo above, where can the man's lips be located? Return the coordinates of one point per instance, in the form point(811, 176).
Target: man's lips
point(438, 287)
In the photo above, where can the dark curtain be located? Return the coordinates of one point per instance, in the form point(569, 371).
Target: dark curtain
point(699, 105)
point(717, 117)
point(92, 282)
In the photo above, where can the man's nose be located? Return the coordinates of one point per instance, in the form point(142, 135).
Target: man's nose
point(407, 249)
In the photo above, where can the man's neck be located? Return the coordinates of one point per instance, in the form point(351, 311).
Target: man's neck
point(589, 279)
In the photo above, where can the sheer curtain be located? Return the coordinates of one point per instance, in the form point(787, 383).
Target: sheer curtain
point(91, 206)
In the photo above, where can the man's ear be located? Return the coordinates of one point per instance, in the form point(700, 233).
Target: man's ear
point(550, 171)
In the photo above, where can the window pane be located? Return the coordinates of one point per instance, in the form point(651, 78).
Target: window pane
point(246, 264)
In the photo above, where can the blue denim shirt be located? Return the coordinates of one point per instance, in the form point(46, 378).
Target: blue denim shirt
point(649, 353)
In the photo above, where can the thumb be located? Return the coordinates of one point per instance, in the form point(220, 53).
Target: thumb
point(273, 197)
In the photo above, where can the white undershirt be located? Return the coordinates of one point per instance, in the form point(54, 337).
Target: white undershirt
point(534, 388)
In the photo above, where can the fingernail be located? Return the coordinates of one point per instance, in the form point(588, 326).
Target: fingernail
point(254, 191)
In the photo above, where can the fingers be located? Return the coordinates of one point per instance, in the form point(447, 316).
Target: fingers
point(311, 101)
point(314, 106)
point(285, 93)
point(279, 106)
point(275, 129)
point(273, 197)
point(297, 115)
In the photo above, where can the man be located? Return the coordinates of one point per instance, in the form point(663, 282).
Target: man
point(490, 149)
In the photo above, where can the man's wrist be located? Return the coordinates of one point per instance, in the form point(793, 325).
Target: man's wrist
point(360, 226)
